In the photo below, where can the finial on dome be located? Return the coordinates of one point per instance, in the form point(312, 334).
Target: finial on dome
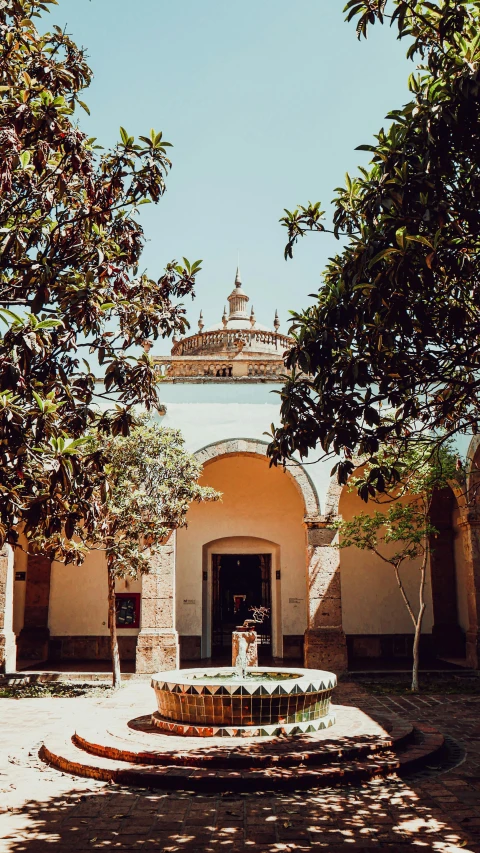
point(238, 277)
point(276, 322)
point(224, 317)
point(200, 321)
point(253, 319)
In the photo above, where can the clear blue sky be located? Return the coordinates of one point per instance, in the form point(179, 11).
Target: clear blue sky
point(264, 102)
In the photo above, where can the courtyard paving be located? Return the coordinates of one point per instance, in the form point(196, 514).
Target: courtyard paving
point(42, 809)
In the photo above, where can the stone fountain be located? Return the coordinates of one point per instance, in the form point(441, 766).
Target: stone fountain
point(244, 699)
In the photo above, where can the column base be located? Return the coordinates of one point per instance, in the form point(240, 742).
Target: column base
point(473, 649)
point(326, 648)
point(157, 651)
point(8, 652)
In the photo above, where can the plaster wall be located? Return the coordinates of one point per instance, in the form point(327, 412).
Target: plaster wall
point(210, 412)
point(78, 598)
point(260, 502)
point(371, 600)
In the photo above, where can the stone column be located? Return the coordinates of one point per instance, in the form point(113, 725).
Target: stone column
point(157, 644)
point(470, 525)
point(8, 652)
point(34, 637)
point(325, 643)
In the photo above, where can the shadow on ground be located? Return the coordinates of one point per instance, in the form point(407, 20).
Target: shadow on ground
point(386, 815)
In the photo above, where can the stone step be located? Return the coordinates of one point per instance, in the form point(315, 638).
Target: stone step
point(279, 752)
point(124, 754)
point(418, 750)
point(64, 755)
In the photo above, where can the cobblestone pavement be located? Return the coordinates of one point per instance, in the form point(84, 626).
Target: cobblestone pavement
point(42, 809)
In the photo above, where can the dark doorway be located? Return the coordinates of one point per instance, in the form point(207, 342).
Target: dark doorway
point(239, 581)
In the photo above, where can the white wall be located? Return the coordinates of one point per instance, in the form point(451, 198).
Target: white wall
point(211, 412)
point(371, 600)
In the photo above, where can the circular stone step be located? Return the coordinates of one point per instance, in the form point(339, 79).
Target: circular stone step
point(68, 758)
point(354, 735)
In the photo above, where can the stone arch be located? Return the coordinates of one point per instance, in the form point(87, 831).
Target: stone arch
point(252, 447)
point(334, 492)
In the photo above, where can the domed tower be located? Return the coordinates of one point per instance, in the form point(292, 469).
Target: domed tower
point(236, 349)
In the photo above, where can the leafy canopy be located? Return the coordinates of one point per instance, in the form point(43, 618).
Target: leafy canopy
point(395, 326)
point(70, 280)
point(150, 483)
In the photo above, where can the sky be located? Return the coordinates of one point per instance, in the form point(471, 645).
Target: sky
point(264, 102)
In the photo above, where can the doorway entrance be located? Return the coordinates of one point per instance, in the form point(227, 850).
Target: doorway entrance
point(240, 581)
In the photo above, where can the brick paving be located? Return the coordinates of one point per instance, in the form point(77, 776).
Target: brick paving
point(42, 809)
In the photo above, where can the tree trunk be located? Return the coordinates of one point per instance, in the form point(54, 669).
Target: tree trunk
point(112, 621)
point(418, 625)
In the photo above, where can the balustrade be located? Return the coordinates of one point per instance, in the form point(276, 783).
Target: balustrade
point(230, 339)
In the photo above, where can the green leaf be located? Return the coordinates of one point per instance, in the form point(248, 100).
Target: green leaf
point(384, 254)
point(24, 159)
point(40, 403)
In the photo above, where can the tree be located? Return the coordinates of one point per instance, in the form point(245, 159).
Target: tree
point(401, 531)
point(70, 283)
point(395, 325)
point(150, 482)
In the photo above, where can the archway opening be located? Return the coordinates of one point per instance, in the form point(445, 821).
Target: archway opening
point(261, 513)
point(240, 582)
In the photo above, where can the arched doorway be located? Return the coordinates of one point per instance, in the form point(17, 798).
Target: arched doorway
point(261, 516)
point(240, 572)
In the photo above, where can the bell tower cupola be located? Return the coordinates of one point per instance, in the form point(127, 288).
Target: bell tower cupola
point(238, 300)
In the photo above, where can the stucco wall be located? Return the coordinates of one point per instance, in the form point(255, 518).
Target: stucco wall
point(258, 501)
point(78, 598)
point(371, 600)
point(211, 412)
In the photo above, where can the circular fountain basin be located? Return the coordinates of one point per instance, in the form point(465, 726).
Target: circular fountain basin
point(217, 702)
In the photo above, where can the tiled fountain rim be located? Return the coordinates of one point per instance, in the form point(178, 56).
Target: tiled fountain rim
point(190, 681)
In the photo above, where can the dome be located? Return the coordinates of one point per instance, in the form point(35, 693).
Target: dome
point(238, 333)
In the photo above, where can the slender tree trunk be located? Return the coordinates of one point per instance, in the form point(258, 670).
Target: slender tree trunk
point(418, 624)
point(112, 621)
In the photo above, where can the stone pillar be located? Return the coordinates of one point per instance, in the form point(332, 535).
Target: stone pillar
point(34, 637)
point(8, 652)
point(252, 647)
point(157, 644)
point(470, 525)
point(325, 643)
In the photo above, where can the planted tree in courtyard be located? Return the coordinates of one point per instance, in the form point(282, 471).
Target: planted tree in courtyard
point(396, 323)
point(150, 483)
point(400, 531)
point(70, 283)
